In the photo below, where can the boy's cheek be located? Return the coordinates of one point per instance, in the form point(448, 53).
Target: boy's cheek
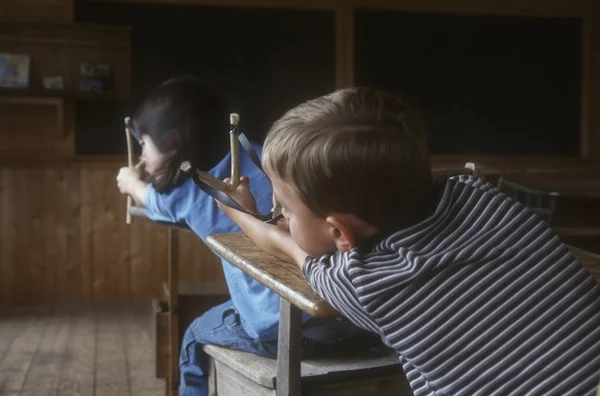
point(283, 225)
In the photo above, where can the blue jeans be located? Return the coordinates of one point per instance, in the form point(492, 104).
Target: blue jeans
point(221, 326)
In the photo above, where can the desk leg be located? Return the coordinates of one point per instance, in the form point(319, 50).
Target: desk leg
point(289, 352)
point(173, 281)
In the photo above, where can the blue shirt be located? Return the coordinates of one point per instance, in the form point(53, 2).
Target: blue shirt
point(257, 306)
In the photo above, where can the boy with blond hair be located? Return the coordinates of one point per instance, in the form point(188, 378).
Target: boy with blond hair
point(473, 290)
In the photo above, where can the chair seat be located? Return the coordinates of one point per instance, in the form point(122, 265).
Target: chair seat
point(263, 371)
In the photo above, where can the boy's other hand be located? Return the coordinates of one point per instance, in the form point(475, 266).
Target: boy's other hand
point(127, 179)
point(268, 237)
point(242, 194)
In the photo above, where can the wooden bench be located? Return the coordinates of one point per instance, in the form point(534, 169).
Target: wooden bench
point(235, 373)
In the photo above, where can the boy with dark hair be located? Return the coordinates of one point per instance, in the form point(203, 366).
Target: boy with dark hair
point(472, 289)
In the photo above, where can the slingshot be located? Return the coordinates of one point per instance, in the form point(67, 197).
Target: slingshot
point(214, 187)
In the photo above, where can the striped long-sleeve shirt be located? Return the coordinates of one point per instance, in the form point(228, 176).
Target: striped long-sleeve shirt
point(480, 298)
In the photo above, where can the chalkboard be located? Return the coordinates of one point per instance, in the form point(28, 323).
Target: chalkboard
point(264, 61)
point(492, 85)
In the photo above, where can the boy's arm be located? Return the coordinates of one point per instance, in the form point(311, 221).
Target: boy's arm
point(129, 182)
point(158, 207)
point(268, 237)
point(327, 276)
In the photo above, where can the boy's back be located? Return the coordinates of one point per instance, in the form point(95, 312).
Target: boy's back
point(479, 298)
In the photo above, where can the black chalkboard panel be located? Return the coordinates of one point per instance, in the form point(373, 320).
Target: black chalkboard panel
point(492, 85)
point(264, 61)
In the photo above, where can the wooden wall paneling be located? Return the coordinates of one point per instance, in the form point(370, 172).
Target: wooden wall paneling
point(21, 266)
point(51, 260)
point(34, 126)
point(63, 237)
point(86, 232)
point(9, 236)
point(151, 268)
point(37, 11)
point(59, 181)
point(101, 251)
point(114, 275)
point(2, 236)
point(136, 261)
point(69, 280)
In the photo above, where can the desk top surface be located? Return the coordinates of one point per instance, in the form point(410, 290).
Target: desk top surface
point(282, 277)
point(287, 280)
point(572, 184)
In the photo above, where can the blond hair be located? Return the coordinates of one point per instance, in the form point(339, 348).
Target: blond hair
point(359, 151)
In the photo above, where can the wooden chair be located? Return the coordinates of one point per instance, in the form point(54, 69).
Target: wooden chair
point(544, 203)
point(369, 372)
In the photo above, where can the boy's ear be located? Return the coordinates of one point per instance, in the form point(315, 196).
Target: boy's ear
point(341, 231)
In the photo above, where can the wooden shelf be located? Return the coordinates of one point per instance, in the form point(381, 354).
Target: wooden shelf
point(61, 49)
point(62, 94)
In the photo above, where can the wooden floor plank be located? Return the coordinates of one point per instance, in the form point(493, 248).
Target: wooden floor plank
point(44, 373)
point(77, 375)
point(21, 353)
point(111, 376)
point(140, 352)
point(10, 326)
point(96, 349)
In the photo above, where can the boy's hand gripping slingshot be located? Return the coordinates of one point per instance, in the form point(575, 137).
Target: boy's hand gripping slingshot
point(128, 136)
point(206, 182)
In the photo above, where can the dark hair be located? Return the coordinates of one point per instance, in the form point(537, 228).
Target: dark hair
point(357, 150)
point(187, 120)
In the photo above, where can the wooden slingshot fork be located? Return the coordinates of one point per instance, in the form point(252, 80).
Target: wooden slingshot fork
point(129, 138)
point(221, 191)
point(234, 121)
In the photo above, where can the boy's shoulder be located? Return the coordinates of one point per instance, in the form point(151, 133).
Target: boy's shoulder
point(464, 203)
point(472, 182)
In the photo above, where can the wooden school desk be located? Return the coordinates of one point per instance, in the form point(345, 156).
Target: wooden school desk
point(375, 373)
point(286, 280)
point(235, 373)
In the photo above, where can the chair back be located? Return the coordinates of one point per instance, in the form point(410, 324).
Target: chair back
point(543, 203)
